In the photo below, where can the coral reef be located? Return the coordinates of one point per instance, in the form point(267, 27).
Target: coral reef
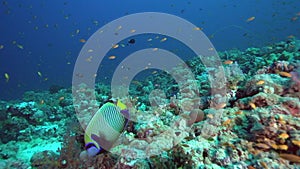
point(255, 124)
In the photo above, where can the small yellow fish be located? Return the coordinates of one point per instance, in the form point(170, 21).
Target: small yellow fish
point(252, 105)
point(82, 40)
point(296, 142)
point(285, 74)
point(283, 136)
point(198, 29)
point(274, 146)
point(20, 46)
point(6, 77)
point(250, 19)
point(282, 147)
point(155, 49)
point(260, 82)
point(115, 46)
point(39, 73)
point(132, 30)
point(163, 39)
point(111, 57)
point(227, 122)
point(154, 72)
point(1, 46)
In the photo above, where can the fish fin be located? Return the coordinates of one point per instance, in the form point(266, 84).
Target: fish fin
point(102, 142)
point(93, 151)
point(126, 115)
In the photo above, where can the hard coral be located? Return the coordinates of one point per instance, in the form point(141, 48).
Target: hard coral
point(233, 75)
point(272, 84)
point(277, 66)
point(44, 159)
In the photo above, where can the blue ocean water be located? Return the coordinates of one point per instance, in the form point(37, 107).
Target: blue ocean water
point(40, 40)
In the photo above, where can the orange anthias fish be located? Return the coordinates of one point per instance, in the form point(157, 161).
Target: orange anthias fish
point(111, 57)
point(283, 136)
point(228, 62)
point(82, 40)
point(115, 46)
point(250, 19)
point(260, 82)
point(198, 29)
point(285, 74)
point(252, 105)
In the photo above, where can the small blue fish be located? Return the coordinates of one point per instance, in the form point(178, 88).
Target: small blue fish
point(105, 127)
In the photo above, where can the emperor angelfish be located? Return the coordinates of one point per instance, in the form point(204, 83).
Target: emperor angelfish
point(105, 127)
